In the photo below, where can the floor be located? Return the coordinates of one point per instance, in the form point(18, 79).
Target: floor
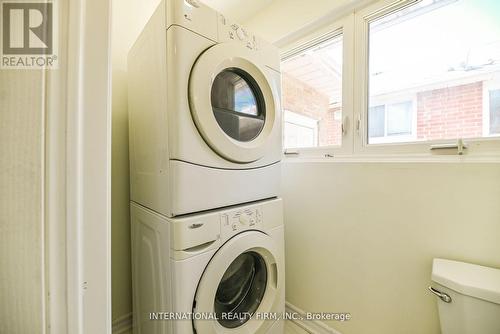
point(291, 328)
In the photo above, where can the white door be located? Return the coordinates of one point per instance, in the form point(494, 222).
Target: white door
point(233, 102)
point(243, 278)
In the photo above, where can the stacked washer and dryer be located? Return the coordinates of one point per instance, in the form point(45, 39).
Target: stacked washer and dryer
point(205, 146)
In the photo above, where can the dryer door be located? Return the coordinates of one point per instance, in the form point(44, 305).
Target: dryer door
point(233, 102)
point(243, 278)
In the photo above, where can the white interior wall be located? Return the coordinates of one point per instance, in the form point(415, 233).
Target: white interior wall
point(283, 17)
point(360, 237)
point(21, 193)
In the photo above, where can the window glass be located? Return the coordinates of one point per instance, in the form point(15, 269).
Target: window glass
point(376, 121)
point(399, 118)
point(238, 105)
point(494, 111)
point(441, 54)
point(301, 131)
point(312, 88)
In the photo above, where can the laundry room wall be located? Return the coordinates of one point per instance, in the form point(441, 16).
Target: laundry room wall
point(283, 18)
point(361, 236)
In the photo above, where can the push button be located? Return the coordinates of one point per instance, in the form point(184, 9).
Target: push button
point(243, 220)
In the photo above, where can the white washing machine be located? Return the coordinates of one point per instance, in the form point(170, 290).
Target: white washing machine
point(205, 115)
point(202, 273)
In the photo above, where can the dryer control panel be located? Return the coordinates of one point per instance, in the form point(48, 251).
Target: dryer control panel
point(232, 32)
point(233, 222)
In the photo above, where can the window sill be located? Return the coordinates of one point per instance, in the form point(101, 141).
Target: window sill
point(397, 158)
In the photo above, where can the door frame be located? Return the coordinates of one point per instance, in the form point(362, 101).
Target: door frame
point(77, 206)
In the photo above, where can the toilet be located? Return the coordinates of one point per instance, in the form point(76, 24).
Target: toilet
point(468, 297)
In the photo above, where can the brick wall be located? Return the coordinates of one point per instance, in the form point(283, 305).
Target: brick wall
point(446, 113)
point(303, 99)
point(453, 112)
point(332, 134)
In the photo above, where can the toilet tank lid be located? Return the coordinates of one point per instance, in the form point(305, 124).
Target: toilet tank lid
point(468, 279)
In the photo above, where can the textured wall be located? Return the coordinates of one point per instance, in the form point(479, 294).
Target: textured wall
point(21, 215)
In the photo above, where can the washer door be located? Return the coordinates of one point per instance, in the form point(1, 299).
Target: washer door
point(233, 102)
point(242, 278)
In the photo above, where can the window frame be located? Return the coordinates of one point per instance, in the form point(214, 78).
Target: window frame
point(343, 27)
point(489, 86)
point(354, 27)
point(476, 146)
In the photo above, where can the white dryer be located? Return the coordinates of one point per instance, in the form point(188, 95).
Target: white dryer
point(205, 115)
point(203, 273)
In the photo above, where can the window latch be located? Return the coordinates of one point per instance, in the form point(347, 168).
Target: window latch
point(345, 125)
point(291, 151)
point(460, 146)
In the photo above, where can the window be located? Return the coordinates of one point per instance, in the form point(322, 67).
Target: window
point(391, 122)
point(301, 131)
point(494, 112)
point(443, 52)
point(396, 77)
point(312, 95)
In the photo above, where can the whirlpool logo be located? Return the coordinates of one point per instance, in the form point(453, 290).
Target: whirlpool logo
point(28, 31)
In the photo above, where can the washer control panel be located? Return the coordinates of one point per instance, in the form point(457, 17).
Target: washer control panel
point(233, 222)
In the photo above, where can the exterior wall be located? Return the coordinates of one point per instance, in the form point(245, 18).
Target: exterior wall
point(333, 126)
point(452, 112)
point(303, 99)
point(445, 113)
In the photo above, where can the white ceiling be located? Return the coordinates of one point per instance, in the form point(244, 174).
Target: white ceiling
point(238, 10)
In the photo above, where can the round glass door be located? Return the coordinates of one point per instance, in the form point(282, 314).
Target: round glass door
point(241, 290)
point(237, 104)
point(234, 103)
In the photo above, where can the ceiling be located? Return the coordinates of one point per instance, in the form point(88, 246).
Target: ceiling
point(238, 10)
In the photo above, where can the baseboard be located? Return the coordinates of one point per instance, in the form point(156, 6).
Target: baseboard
point(310, 326)
point(123, 324)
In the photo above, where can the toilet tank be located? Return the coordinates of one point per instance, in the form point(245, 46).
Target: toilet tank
point(473, 306)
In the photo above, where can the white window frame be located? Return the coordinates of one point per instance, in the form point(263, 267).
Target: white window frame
point(480, 146)
point(353, 26)
point(345, 28)
point(489, 85)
